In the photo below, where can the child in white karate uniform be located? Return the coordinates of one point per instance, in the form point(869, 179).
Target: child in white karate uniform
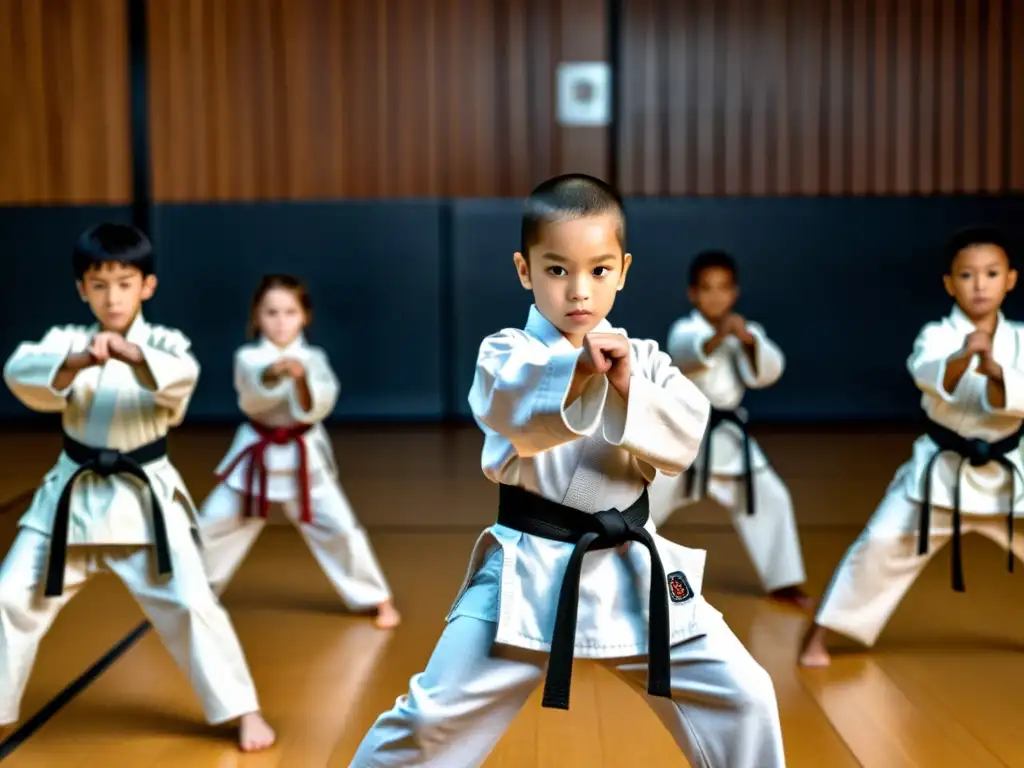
point(114, 502)
point(577, 420)
point(724, 355)
point(966, 472)
point(283, 454)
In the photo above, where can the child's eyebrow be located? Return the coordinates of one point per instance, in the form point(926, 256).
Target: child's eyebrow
point(594, 260)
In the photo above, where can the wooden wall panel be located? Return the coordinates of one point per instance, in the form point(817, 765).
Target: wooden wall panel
point(821, 97)
point(64, 126)
point(265, 99)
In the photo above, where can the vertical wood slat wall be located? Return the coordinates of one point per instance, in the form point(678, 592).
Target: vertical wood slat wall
point(64, 126)
point(294, 99)
point(262, 99)
point(821, 97)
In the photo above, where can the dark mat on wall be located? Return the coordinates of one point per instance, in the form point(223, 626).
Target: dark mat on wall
point(405, 290)
point(39, 292)
point(844, 285)
point(373, 269)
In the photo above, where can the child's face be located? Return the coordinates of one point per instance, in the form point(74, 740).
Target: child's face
point(979, 279)
point(715, 294)
point(115, 293)
point(280, 316)
point(574, 272)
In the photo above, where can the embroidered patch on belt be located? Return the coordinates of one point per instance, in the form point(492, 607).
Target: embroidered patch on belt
point(678, 587)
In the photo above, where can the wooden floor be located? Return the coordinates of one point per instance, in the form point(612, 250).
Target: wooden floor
point(941, 689)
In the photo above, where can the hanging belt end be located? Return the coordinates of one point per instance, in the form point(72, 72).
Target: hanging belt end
point(661, 688)
point(555, 701)
point(54, 588)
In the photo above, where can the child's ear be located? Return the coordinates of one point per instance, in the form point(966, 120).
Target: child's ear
point(148, 287)
point(1011, 280)
point(523, 270)
point(627, 262)
point(81, 290)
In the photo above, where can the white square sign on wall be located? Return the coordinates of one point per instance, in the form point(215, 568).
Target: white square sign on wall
point(584, 93)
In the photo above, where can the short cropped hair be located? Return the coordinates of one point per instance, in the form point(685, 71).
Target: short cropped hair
point(112, 243)
point(977, 234)
point(572, 196)
point(712, 259)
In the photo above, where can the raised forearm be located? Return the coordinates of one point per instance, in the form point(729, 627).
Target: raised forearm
point(144, 375)
point(996, 393)
point(956, 367)
point(270, 377)
point(713, 343)
point(75, 362)
point(577, 386)
point(302, 393)
point(750, 352)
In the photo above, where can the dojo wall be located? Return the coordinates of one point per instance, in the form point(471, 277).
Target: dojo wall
point(378, 148)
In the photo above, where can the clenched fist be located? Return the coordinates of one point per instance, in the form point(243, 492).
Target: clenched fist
point(980, 343)
point(288, 366)
point(113, 346)
point(977, 343)
point(607, 353)
point(736, 325)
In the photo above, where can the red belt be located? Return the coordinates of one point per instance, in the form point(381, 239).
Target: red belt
point(257, 467)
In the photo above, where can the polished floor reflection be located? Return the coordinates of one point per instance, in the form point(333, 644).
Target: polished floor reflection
point(941, 689)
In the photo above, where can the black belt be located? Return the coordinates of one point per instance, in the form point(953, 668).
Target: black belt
point(536, 516)
point(978, 453)
point(105, 462)
point(716, 418)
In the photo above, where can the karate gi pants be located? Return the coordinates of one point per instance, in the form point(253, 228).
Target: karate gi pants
point(769, 536)
point(183, 610)
point(723, 711)
point(337, 541)
point(882, 564)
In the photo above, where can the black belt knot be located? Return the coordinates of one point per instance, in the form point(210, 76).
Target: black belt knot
point(977, 453)
point(614, 530)
point(534, 515)
point(716, 418)
point(107, 461)
point(104, 462)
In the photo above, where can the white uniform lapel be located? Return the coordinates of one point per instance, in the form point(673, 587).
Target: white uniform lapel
point(138, 331)
point(1004, 340)
point(114, 387)
point(295, 348)
point(728, 347)
point(700, 322)
point(545, 331)
point(587, 477)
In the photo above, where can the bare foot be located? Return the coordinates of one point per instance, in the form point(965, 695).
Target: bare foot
point(387, 616)
point(254, 734)
point(794, 596)
point(814, 653)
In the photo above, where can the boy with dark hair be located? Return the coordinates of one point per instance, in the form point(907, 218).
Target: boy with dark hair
point(724, 355)
point(113, 501)
point(577, 420)
point(966, 471)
